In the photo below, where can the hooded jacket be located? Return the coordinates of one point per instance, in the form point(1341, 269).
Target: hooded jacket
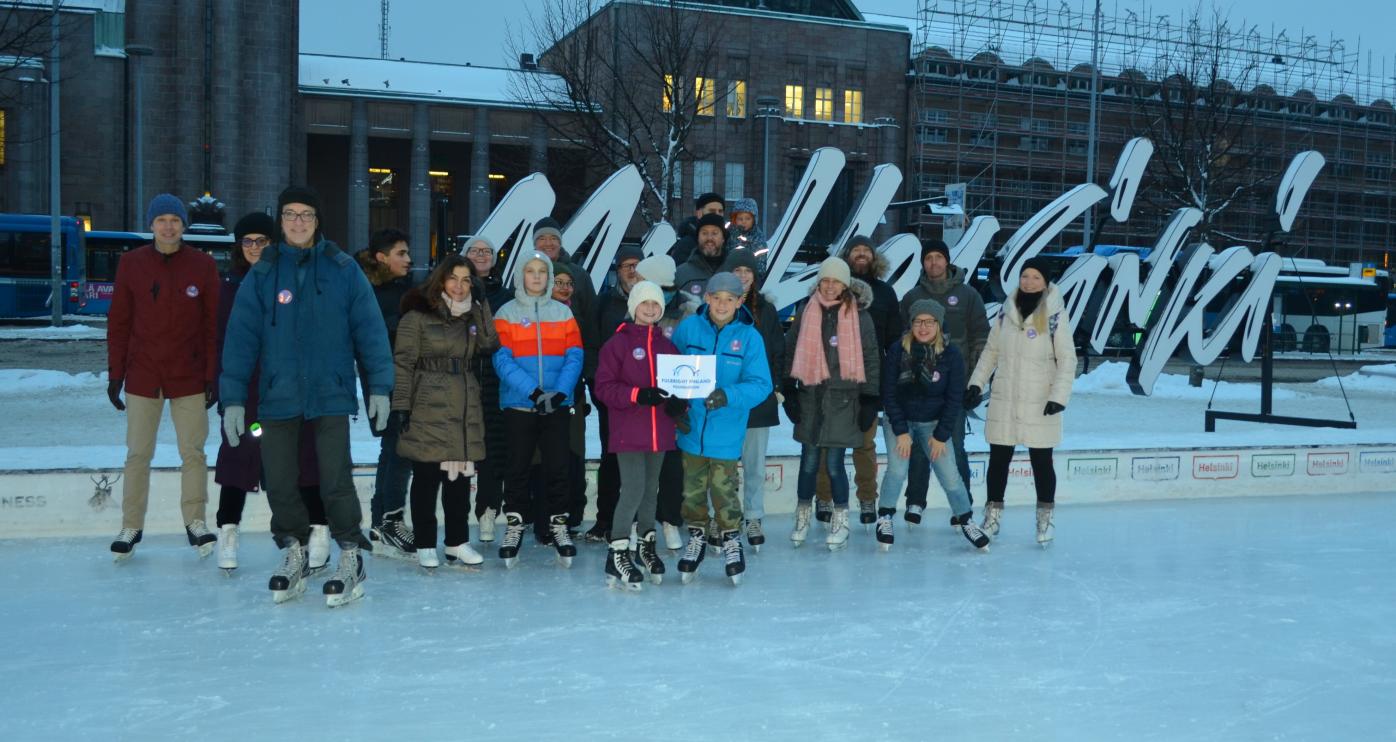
point(742, 373)
point(386, 289)
point(1029, 368)
point(829, 415)
point(306, 316)
point(432, 366)
point(884, 310)
point(692, 276)
point(540, 343)
point(627, 366)
point(966, 322)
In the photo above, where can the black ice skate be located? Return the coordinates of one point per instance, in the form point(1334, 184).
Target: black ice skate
point(513, 537)
point(884, 528)
point(347, 584)
point(692, 554)
point(125, 544)
point(620, 571)
point(732, 557)
point(562, 540)
point(647, 557)
point(200, 537)
point(288, 581)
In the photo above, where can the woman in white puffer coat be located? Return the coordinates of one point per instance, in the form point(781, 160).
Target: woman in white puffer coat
point(1032, 360)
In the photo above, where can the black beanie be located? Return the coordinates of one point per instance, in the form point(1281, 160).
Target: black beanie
point(706, 199)
point(629, 252)
point(857, 241)
point(930, 246)
point(255, 223)
point(1041, 265)
point(299, 195)
point(713, 220)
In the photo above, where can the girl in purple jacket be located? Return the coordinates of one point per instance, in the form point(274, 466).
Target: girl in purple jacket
point(641, 430)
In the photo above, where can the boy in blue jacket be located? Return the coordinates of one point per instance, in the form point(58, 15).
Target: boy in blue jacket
point(722, 328)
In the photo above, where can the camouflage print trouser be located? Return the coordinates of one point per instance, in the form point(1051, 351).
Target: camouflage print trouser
point(704, 477)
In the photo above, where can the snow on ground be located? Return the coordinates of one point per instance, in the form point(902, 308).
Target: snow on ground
point(1205, 620)
point(55, 420)
point(67, 332)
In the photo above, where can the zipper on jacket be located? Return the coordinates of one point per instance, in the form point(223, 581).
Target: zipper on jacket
point(654, 418)
point(703, 434)
point(538, 336)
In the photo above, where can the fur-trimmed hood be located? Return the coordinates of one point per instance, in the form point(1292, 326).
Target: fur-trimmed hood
point(860, 288)
point(378, 274)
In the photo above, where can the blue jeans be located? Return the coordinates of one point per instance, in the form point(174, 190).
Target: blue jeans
point(754, 472)
point(390, 481)
point(920, 477)
point(833, 466)
point(945, 468)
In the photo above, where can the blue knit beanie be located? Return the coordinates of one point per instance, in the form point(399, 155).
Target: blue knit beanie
point(165, 203)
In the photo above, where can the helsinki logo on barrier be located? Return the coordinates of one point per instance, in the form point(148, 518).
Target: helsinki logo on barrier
point(1171, 311)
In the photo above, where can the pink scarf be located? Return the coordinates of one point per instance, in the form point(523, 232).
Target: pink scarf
point(809, 366)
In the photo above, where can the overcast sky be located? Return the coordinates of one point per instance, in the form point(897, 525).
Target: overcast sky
point(475, 31)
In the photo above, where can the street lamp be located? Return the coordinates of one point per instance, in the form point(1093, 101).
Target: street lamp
point(134, 52)
point(767, 108)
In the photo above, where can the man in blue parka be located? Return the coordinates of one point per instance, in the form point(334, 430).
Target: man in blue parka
point(712, 446)
point(305, 315)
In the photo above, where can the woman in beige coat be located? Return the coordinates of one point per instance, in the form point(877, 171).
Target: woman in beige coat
point(442, 330)
point(1032, 360)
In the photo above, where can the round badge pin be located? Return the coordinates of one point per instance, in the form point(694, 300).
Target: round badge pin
point(284, 296)
point(1031, 333)
point(526, 322)
point(668, 332)
point(192, 291)
point(638, 354)
point(952, 300)
point(833, 341)
point(736, 345)
point(935, 376)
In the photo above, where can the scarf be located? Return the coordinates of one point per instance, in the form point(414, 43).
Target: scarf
point(918, 366)
point(1027, 303)
point(810, 367)
point(456, 308)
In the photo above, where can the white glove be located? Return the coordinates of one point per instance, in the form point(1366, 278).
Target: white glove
point(457, 469)
point(233, 424)
point(378, 411)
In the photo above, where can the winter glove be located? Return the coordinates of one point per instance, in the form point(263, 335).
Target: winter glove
point(210, 395)
point(1052, 408)
point(651, 396)
point(792, 402)
point(378, 411)
point(233, 421)
point(581, 409)
point(867, 412)
point(716, 400)
point(973, 396)
point(404, 419)
point(114, 394)
point(457, 469)
point(676, 407)
point(549, 402)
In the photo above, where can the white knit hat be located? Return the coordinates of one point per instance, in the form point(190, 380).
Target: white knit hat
point(657, 268)
point(642, 292)
point(836, 269)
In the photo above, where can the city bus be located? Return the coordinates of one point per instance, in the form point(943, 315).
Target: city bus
point(1321, 308)
point(104, 250)
point(26, 265)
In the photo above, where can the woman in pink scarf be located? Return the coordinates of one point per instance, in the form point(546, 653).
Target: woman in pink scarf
point(831, 388)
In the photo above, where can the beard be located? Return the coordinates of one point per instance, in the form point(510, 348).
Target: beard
point(862, 268)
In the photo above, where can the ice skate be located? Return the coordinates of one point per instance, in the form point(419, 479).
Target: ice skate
point(596, 534)
point(838, 530)
point(347, 584)
point(913, 515)
point(288, 581)
point(513, 536)
point(974, 534)
point(562, 540)
point(732, 556)
point(692, 554)
point(801, 531)
point(427, 558)
point(486, 523)
point(714, 538)
point(992, 512)
point(823, 510)
point(621, 573)
point(884, 528)
point(1045, 530)
point(125, 544)
point(200, 537)
point(392, 539)
point(754, 536)
point(228, 548)
point(464, 557)
point(867, 513)
point(673, 537)
point(317, 550)
point(648, 558)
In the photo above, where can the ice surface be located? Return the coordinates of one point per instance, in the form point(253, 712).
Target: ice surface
point(1262, 618)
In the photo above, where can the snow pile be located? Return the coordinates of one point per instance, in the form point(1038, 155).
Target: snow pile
point(1108, 379)
point(24, 381)
point(1366, 379)
point(68, 332)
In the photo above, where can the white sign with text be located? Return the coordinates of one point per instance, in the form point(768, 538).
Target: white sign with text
point(686, 377)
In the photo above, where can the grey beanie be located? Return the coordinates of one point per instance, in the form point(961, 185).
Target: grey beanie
point(927, 306)
point(725, 281)
point(547, 225)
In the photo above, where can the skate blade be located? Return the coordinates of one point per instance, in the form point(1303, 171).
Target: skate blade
point(317, 569)
point(1045, 544)
point(837, 547)
point(281, 596)
point(755, 548)
point(228, 571)
point(460, 566)
point(429, 570)
point(884, 547)
point(206, 549)
point(565, 562)
point(386, 551)
point(656, 579)
point(736, 579)
point(119, 558)
point(484, 540)
point(797, 542)
point(339, 599)
point(686, 577)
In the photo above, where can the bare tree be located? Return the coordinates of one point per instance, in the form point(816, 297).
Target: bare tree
point(26, 42)
point(1201, 120)
point(630, 78)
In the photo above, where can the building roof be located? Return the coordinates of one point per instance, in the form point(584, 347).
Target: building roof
point(389, 79)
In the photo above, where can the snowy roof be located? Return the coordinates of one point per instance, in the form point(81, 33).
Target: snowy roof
point(106, 6)
point(326, 74)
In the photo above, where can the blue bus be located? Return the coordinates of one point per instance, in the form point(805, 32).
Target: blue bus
point(104, 249)
point(26, 265)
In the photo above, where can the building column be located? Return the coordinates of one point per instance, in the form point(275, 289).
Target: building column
point(419, 200)
point(480, 170)
point(538, 147)
point(889, 133)
point(358, 174)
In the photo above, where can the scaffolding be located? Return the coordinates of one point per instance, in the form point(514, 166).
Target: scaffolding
point(1003, 90)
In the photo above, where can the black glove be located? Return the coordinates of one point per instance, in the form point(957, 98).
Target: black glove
point(867, 412)
point(1052, 408)
point(792, 402)
point(716, 401)
point(651, 396)
point(682, 424)
point(581, 409)
point(549, 402)
point(404, 420)
point(973, 396)
point(676, 407)
point(210, 395)
point(114, 394)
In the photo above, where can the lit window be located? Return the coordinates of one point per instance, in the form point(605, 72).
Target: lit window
point(667, 95)
point(853, 106)
point(2, 136)
point(795, 101)
point(382, 190)
point(703, 93)
point(823, 104)
point(441, 183)
point(736, 99)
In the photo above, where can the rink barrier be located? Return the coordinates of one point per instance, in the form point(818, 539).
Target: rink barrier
point(56, 502)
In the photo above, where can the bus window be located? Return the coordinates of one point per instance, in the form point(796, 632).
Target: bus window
point(24, 254)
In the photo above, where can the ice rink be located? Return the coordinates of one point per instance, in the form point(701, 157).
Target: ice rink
point(1245, 619)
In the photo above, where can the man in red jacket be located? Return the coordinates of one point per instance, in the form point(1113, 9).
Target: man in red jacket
point(161, 345)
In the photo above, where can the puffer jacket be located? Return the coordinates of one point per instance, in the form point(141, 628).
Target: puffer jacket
point(966, 323)
point(767, 322)
point(1029, 368)
point(692, 275)
point(305, 316)
point(829, 411)
point(742, 374)
point(540, 344)
point(935, 392)
point(627, 366)
point(432, 366)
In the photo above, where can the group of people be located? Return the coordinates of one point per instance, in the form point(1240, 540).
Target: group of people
point(468, 376)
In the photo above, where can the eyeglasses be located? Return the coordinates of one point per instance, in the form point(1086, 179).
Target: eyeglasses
point(298, 216)
point(255, 243)
point(479, 252)
point(562, 285)
point(923, 323)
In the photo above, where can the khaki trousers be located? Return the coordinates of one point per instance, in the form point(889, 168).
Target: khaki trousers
point(191, 430)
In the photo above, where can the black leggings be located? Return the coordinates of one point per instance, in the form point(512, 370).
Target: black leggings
point(231, 501)
point(455, 505)
point(1044, 477)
